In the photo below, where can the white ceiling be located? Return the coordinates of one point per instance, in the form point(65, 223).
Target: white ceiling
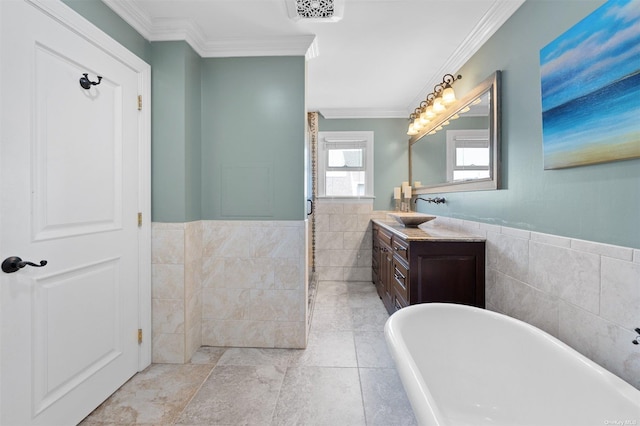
point(380, 60)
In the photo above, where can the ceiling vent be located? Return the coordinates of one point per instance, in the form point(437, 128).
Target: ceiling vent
point(315, 10)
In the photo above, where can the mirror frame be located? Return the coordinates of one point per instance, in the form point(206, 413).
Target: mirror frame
point(492, 84)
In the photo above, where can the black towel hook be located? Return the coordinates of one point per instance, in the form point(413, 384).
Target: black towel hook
point(86, 83)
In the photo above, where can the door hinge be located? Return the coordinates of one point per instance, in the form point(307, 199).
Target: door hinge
point(139, 102)
point(139, 218)
point(139, 336)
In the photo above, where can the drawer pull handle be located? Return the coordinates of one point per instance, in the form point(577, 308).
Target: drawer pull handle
point(398, 275)
point(398, 248)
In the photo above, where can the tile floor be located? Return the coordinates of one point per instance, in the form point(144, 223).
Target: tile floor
point(344, 377)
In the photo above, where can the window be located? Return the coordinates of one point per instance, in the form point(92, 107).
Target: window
point(468, 155)
point(345, 164)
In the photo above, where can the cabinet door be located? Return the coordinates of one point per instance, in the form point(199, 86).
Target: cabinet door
point(448, 272)
point(386, 275)
point(375, 259)
point(400, 278)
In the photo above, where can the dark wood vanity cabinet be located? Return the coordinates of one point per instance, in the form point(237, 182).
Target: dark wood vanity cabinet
point(382, 263)
point(411, 271)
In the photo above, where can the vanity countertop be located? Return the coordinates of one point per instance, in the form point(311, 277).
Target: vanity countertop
point(429, 231)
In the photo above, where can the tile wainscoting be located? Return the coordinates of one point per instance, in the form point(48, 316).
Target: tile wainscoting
point(176, 291)
point(241, 283)
point(584, 293)
point(227, 283)
point(343, 239)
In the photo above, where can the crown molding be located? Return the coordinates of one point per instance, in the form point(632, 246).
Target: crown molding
point(334, 113)
point(302, 45)
point(132, 15)
point(496, 16)
point(168, 29)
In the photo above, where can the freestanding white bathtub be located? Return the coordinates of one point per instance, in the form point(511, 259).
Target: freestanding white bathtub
point(462, 365)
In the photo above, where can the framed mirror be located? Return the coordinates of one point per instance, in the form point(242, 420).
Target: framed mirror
point(460, 151)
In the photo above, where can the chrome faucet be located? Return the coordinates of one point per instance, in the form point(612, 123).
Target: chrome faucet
point(437, 200)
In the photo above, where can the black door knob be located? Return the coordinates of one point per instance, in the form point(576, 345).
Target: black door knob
point(14, 263)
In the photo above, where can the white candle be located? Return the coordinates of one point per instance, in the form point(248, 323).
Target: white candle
point(404, 184)
point(417, 184)
point(407, 192)
point(396, 193)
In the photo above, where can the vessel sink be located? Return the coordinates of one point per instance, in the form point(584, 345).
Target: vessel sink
point(411, 219)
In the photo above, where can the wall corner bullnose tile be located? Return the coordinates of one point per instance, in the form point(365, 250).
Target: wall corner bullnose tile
point(636, 256)
point(518, 233)
point(608, 250)
point(552, 240)
point(168, 284)
point(167, 243)
point(488, 227)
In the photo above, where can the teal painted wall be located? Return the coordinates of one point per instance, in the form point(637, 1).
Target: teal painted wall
point(176, 137)
point(596, 202)
point(228, 134)
point(253, 136)
point(193, 136)
point(390, 153)
point(108, 21)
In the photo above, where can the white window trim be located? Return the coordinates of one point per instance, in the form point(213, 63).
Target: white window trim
point(351, 137)
point(470, 135)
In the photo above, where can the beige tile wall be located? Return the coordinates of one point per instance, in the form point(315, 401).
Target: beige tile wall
point(176, 291)
point(252, 291)
point(343, 239)
point(227, 283)
point(254, 288)
point(193, 287)
point(586, 294)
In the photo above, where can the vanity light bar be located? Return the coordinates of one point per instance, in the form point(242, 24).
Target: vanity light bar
point(436, 102)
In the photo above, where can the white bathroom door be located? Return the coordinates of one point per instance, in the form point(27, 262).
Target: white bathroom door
point(69, 194)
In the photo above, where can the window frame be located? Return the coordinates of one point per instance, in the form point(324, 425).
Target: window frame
point(468, 135)
point(329, 139)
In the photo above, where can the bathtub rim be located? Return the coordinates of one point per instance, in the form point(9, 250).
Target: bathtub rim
point(422, 402)
point(425, 408)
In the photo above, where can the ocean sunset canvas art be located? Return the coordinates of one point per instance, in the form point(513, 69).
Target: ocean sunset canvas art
point(590, 82)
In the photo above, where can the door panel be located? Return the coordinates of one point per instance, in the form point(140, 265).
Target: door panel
point(77, 158)
point(71, 342)
point(70, 194)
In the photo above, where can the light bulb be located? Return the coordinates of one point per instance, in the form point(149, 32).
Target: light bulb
point(448, 96)
point(417, 125)
point(438, 106)
point(429, 113)
point(411, 130)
